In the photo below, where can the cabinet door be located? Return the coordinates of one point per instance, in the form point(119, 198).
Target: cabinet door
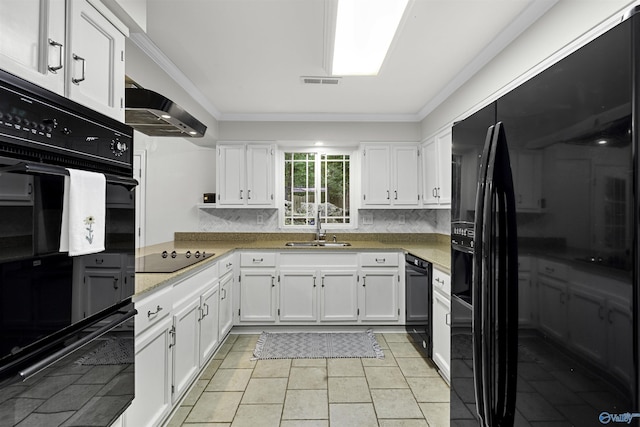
point(153, 377)
point(524, 299)
point(444, 167)
point(226, 306)
point(102, 289)
point(95, 60)
point(441, 332)
point(260, 175)
point(339, 295)
point(619, 329)
point(430, 173)
point(209, 327)
point(376, 175)
point(552, 309)
point(257, 295)
point(231, 175)
point(186, 336)
point(405, 175)
point(378, 299)
point(298, 296)
point(587, 329)
point(32, 38)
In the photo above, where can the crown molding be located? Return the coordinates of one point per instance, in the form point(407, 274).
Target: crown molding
point(319, 117)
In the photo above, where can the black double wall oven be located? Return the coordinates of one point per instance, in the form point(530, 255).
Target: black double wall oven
point(66, 323)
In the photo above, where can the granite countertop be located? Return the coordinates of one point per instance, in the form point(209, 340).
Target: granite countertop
point(431, 247)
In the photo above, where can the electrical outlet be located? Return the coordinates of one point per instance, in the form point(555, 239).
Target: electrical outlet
point(401, 220)
point(260, 219)
point(367, 219)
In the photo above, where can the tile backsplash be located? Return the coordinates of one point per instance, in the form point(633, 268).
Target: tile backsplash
point(381, 221)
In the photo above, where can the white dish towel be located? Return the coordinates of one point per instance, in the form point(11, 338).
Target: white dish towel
point(83, 213)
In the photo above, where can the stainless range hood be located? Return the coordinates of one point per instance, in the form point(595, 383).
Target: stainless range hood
point(155, 115)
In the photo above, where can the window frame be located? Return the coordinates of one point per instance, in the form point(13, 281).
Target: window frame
point(319, 151)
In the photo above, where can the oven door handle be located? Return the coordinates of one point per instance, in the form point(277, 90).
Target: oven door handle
point(40, 365)
point(37, 168)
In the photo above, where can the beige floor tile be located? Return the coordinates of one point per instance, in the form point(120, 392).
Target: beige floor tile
point(345, 368)
point(245, 343)
point(238, 360)
point(397, 337)
point(352, 415)
point(211, 369)
point(388, 360)
point(403, 349)
point(348, 390)
point(276, 368)
point(179, 416)
point(309, 362)
point(395, 404)
point(265, 390)
point(304, 423)
point(215, 407)
point(309, 378)
point(381, 341)
point(403, 423)
point(416, 367)
point(306, 405)
point(231, 338)
point(222, 352)
point(429, 389)
point(230, 380)
point(385, 377)
point(437, 414)
point(195, 392)
point(257, 415)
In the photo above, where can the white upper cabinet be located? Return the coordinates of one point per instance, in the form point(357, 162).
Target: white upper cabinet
point(32, 41)
point(390, 176)
point(245, 175)
point(436, 171)
point(95, 60)
point(67, 47)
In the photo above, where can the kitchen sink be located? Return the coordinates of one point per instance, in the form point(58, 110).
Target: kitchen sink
point(318, 243)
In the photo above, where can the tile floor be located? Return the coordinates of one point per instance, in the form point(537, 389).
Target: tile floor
point(401, 390)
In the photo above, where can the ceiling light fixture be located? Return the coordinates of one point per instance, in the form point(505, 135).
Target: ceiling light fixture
point(364, 30)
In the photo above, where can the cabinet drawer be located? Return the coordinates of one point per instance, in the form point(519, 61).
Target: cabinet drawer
point(442, 281)
point(225, 265)
point(318, 259)
point(153, 308)
point(102, 260)
point(553, 269)
point(379, 259)
point(258, 259)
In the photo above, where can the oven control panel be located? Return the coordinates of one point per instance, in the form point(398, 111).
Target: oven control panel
point(28, 119)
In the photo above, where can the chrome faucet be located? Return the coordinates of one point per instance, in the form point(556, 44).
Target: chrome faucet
point(320, 235)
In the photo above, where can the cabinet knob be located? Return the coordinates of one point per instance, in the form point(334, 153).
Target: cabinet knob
point(153, 313)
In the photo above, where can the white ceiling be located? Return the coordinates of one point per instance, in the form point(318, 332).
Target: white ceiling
point(243, 59)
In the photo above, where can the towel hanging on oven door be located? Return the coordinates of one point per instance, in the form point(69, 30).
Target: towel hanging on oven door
point(83, 213)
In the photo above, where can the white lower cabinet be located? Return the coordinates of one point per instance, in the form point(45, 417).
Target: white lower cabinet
point(209, 323)
point(339, 295)
point(185, 346)
point(297, 296)
point(441, 307)
point(378, 297)
point(225, 313)
point(258, 295)
point(153, 377)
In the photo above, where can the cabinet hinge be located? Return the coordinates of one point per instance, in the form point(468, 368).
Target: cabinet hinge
point(364, 197)
point(418, 197)
point(121, 102)
point(398, 277)
point(219, 154)
point(238, 312)
point(278, 312)
point(272, 197)
point(239, 278)
point(358, 278)
point(398, 312)
point(173, 389)
point(358, 312)
point(278, 278)
point(122, 55)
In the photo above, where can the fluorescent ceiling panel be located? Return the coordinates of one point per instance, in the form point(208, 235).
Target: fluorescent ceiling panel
point(364, 31)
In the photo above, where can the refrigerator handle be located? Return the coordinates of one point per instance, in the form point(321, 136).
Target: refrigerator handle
point(479, 280)
point(500, 295)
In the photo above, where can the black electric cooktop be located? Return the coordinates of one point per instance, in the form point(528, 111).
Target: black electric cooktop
point(169, 262)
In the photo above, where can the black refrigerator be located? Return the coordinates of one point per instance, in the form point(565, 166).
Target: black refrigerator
point(545, 217)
